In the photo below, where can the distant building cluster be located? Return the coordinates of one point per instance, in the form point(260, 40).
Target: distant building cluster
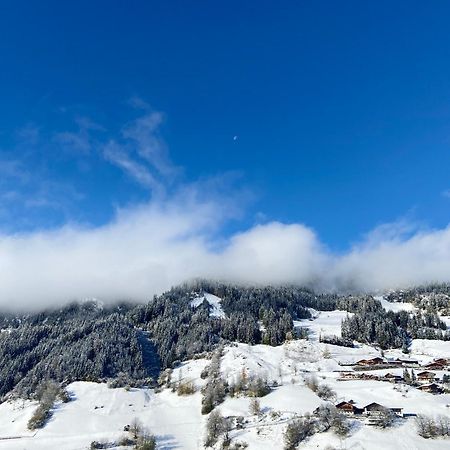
point(425, 380)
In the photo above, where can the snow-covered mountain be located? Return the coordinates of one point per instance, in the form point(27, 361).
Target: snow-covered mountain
point(290, 380)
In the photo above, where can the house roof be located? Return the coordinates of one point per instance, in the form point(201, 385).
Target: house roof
point(437, 364)
point(373, 405)
point(431, 386)
point(341, 404)
point(441, 361)
point(371, 360)
point(349, 404)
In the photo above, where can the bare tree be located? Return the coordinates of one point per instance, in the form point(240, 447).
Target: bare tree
point(312, 382)
point(298, 431)
point(136, 428)
point(442, 424)
point(216, 426)
point(425, 426)
point(324, 391)
point(386, 418)
point(255, 407)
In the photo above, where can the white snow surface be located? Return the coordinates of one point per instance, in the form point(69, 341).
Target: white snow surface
point(99, 413)
point(323, 323)
point(395, 306)
point(446, 319)
point(213, 300)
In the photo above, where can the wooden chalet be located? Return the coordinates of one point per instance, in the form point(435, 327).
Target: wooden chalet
point(444, 361)
point(393, 362)
point(372, 410)
point(407, 362)
point(375, 409)
point(432, 388)
point(435, 366)
point(348, 376)
point(370, 362)
point(392, 378)
point(426, 376)
point(438, 364)
point(349, 408)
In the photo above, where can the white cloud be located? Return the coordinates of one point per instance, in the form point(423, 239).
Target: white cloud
point(80, 140)
point(113, 153)
point(144, 135)
point(141, 152)
point(392, 262)
point(149, 248)
point(143, 251)
point(274, 253)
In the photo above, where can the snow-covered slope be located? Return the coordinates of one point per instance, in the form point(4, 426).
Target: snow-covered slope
point(214, 301)
point(323, 323)
point(99, 413)
point(395, 306)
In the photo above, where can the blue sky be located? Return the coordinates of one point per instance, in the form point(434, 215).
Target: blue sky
point(332, 115)
point(341, 111)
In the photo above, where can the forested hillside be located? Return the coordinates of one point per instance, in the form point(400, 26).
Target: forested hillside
point(434, 297)
point(129, 343)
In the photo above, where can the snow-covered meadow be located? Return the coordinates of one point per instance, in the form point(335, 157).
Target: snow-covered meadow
point(99, 413)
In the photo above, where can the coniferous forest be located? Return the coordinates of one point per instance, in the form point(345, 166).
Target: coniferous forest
point(129, 344)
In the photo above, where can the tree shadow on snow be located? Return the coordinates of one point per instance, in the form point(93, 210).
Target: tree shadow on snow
point(167, 442)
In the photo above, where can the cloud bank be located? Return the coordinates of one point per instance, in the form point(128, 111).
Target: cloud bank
point(177, 235)
point(149, 248)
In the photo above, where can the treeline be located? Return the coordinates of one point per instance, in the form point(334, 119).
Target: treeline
point(371, 323)
point(128, 344)
point(254, 315)
point(432, 297)
point(79, 342)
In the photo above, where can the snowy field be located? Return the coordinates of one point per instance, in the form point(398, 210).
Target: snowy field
point(324, 323)
point(99, 413)
point(395, 306)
